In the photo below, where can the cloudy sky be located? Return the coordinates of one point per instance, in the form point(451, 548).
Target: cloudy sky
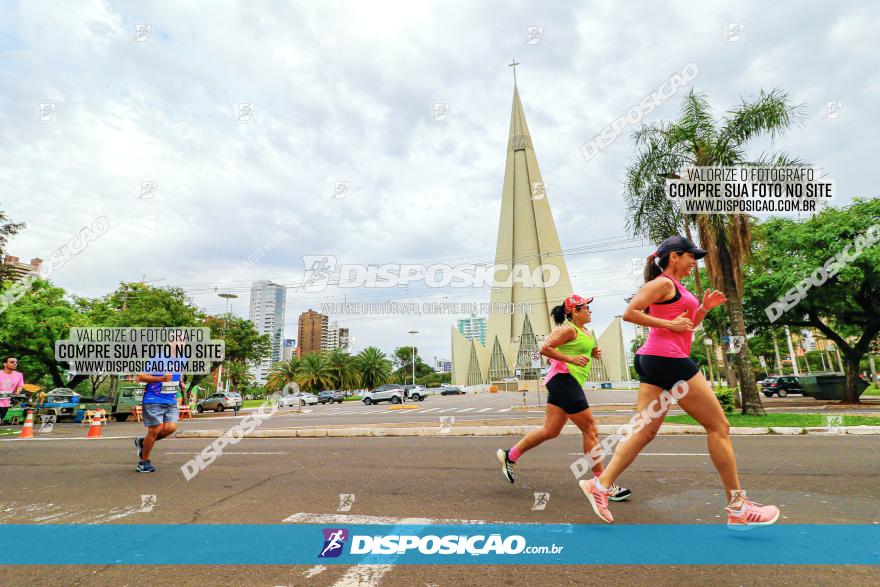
point(343, 92)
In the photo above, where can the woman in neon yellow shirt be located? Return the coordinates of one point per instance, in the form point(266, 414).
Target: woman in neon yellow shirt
point(569, 348)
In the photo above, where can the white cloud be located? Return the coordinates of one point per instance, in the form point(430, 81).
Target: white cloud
point(343, 92)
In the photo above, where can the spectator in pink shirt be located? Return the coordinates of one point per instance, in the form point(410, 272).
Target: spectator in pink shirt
point(11, 381)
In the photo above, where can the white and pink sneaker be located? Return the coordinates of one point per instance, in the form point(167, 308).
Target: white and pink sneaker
point(598, 499)
point(751, 515)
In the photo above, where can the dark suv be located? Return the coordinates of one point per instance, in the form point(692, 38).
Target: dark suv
point(781, 386)
point(328, 397)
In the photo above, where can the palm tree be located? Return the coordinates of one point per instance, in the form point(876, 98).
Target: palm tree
point(695, 140)
point(344, 370)
point(238, 374)
point(282, 374)
point(314, 372)
point(374, 367)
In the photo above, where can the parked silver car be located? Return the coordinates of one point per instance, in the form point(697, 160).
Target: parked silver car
point(384, 393)
point(219, 402)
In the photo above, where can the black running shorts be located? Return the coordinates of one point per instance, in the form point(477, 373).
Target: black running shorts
point(563, 391)
point(664, 372)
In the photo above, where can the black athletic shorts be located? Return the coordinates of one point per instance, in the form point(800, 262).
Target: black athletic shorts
point(664, 372)
point(564, 392)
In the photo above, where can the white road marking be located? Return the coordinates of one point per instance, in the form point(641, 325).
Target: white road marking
point(431, 410)
point(505, 410)
point(37, 438)
point(310, 518)
point(17, 513)
point(226, 452)
point(484, 410)
point(663, 454)
point(314, 571)
point(465, 410)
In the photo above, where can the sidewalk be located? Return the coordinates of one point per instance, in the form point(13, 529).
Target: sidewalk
point(507, 428)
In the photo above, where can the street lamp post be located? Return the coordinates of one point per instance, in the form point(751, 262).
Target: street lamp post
point(228, 297)
point(414, 333)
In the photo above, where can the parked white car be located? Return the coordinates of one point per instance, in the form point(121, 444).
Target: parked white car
point(384, 393)
point(299, 398)
point(414, 392)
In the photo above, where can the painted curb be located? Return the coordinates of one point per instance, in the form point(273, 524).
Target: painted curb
point(747, 431)
point(788, 430)
point(859, 430)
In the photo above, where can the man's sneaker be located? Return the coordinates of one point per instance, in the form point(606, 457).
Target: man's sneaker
point(618, 493)
point(145, 467)
point(139, 443)
point(507, 465)
point(751, 515)
point(598, 499)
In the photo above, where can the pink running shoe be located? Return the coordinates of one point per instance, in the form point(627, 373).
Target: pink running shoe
point(751, 515)
point(598, 499)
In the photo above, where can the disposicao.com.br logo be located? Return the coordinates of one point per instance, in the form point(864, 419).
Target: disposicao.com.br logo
point(334, 541)
point(476, 545)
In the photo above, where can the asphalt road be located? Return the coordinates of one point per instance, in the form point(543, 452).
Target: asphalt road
point(813, 479)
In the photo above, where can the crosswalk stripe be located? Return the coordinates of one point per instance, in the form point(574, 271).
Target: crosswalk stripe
point(484, 410)
point(465, 410)
point(431, 410)
point(505, 410)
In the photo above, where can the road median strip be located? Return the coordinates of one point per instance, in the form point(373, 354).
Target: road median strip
point(382, 431)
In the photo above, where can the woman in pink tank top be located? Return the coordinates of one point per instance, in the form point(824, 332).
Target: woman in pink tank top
point(664, 365)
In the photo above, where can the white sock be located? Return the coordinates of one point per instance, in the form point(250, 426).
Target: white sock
point(601, 487)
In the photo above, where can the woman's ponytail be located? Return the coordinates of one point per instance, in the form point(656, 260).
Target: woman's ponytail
point(558, 313)
point(653, 267)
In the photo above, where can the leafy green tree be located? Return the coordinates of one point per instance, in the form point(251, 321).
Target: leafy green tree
point(314, 373)
point(8, 229)
point(141, 305)
point(144, 306)
point(30, 326)
point(846, 307)
point(434, 379)
point(403, 360)
point(344, 369)
point(238, 374)
point(374, 367)
point(243, 343)
point(695, 139)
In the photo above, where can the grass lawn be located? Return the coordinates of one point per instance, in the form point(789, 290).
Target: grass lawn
point(872, 390)
point(783, 420)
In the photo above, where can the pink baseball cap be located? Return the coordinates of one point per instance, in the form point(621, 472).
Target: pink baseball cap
point(573, 301)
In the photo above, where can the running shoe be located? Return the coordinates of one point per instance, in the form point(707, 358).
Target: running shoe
point(618, 493)
point(751, 515)
point(598, 499)
point(507, 465)
point(145, 467)
point(139, 443)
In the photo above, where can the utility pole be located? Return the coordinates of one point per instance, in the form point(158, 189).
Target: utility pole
point(228, 297)
point(414, 333)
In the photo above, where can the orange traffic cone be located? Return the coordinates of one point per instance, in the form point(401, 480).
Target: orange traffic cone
point(95, 428)
point(27, 431)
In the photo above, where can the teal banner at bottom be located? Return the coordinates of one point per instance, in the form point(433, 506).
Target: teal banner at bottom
point(480, 544)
